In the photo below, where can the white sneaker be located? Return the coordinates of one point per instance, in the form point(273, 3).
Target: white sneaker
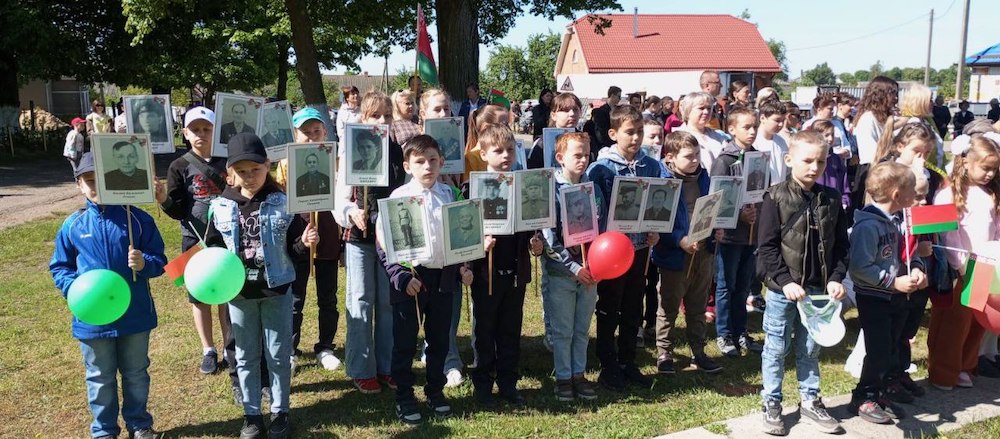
point(328, 360)
point(964, 380)
point(454, 378)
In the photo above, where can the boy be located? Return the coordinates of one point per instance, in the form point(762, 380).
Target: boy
point(735, 256)
point(772, 120)
point(882, 286)
point(75, 142)
point(802, 249)
point(95, 237)
point(619, 303)
point(499, 314)
point(428, 281)
point(652, 135)
point(685, 271)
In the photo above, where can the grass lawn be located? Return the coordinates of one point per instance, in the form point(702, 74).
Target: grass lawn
point(42, 379)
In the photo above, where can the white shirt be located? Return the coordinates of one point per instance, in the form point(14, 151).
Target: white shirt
point(345, 116)
point(867, 132)
point(120, 124)
point(778, 148)
point(435, 197)
point(711, 143)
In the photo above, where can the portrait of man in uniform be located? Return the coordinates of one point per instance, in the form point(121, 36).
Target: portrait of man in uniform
point(534, 203)
point(494, 205)
point(312, 181)
point(127, 175)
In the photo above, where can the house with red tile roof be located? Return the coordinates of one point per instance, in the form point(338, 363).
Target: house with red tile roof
point(660, 54)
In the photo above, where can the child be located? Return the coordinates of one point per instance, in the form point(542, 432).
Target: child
point(96, 237)
point(696, 110)
point(954, 336)
point(193, 181)
point(368, 347)
point(835, 175)
point(74, 146)
point(565, 113)
point(499, 311)
point(619, 303)
point(685, 271)
point(428, 281)
point(802, 249)
point(652, 135)
point(913, 142)
point(772, 115)
point(250, 220)
point(880, 282)
point(735, 256)
point(569, 292)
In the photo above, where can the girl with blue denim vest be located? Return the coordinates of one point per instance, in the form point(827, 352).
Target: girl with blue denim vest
point(250, 219)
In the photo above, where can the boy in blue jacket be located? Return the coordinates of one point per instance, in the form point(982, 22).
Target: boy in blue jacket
point(95, 237)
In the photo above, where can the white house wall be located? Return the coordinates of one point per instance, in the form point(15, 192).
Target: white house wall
point(595, 85)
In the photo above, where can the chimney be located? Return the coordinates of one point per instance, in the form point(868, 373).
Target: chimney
point(635, 23)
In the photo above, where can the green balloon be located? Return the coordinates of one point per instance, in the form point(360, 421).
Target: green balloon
point(99, 297)
point(214, 275)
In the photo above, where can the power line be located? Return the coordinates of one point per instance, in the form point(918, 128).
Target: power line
point(920, 17)
point(945, 11)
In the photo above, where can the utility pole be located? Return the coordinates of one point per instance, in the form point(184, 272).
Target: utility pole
point(961, 55)
point(930, 37)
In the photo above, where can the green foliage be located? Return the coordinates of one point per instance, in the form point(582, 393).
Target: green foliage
point(862, 75)
point(778, 49)
point(822, 74)
point(521, 73)
point(846, 78)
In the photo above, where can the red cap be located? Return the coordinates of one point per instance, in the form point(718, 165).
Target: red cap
point(77, 120)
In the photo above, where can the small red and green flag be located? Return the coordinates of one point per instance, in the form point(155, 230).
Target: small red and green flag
point(981, 281)
point(497, 97)
point(933, 219)
point(175, 268)
point(426, 67)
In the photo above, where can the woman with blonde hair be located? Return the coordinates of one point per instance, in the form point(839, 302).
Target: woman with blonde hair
point(404, 117)
point(918, 107)
point(696, 112)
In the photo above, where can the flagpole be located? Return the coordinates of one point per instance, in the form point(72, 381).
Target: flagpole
point(416, 52)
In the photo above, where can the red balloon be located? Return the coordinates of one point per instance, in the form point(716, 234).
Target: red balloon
point(610, 255)
point(989, 317)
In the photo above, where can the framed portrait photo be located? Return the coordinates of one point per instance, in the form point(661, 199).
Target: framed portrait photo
point(496, 190)
point(234, 114)
point(463, 231)
point(535, 199)
point(659, 209)
point(311, 174)
point(703, 217)
point(578, 211)
point(756, 176)
point(150, 114)
point(549, 137)
point(449, 132)
point(732, 193)
point(124, 168)
point(275, 128)
point(405, 230)
point(626, 204)
point(366, 148)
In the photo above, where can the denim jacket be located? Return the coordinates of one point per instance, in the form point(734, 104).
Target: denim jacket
point(275, 221)
point(610, 165)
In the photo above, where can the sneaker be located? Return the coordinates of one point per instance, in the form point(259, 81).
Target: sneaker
point(756, 303)
point(408, 413)
point(665, 365)
point(964, 380)
point(706, 364)
point(253, 427)
point(281, 426)
point(367, 385)
point(328, 360)
point(143, 433)
point(773, 423)
point(727, 347)
point(387, 380)
point(869, 410)
point(911, 386)
point(512, 396)
point(584, 388)
point(454, 377)
point(633, 375)
point(612, 379)
point(747, 343)
point(564, 390)
point(439, 406)
point(815, 412)
point(209, 363)
point(894, 411)
point(987, 368)
point(238, 396)
point(895, 392)
point(639, 342)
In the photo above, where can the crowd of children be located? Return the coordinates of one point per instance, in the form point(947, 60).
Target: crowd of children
point(798, 243)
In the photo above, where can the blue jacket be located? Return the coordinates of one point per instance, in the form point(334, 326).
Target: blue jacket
point(280, 269)
point(667, 253)
point(559, 260)
point(610, 165)
point(97, 237)
point(876, 254)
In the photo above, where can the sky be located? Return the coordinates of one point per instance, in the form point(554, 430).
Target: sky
point(841, 33)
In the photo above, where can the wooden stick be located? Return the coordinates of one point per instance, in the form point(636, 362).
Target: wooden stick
point(313, 220)
point(751, 232)
point(583, 255)
point(468, 299)
point(649, 255)
point(416, 300)
point(364, 196)
point(489, 278)
point(128, 219)
point(691, 265)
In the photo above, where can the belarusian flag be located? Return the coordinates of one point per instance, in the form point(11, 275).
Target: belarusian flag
point(981, 281)
point(425, 59)
point(933, 219)
point(175, 268)
point(497, 97)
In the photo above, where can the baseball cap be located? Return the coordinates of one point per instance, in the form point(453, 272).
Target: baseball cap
point(246, 146)
point(199, 113)
point(77, 120)
point(302, 116)
point(86, 165)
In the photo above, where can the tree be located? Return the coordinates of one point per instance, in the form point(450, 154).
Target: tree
point(822, 74)
point(522, 73)
point(862, 76)
point(847, 78)
point(876, 69)
point(778, 50)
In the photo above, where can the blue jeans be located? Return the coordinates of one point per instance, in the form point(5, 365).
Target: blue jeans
point(263, 325)
point(781, 324)
point(569, 306)
point(734, 272)
point(367, 352)
point(104, 359)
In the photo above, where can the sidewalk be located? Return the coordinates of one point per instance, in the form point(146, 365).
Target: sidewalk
point(935, 413)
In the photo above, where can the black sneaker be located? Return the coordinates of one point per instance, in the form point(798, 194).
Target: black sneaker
point(894, 411)
point(706, 364)
point(209, 363)
point(281, 426)
point(611, 378)
point(633, 375)
point(143, 433)
point(238, 396)
point(727, 347)
point(869, 410)
point(987, 368)
point(747, 343)
point(512, 396)
point(253, 427)
point(758, 303)
point(583, 388)
point(665, 365)
point(773, 423)
point(408, 414)
point(564, 390)
point(911, 386)
point(439, 406)
point(815, 413)
point(895, 392)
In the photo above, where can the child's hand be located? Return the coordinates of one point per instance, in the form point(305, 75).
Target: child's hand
point(919, 277)
point(360, 219)
point(688, 246)
point(488, 242)
point(414, 287)
point(160, 191)
point(310, 237)
point(537, 247)
point(924, 249)
point(466, 275)
point(748, 214)
point(719, 234)
point(584, 276)
point(836, 290)
point(794, 292)
point(652, 238)
point(135, 260)
point(709, 317)
point(905, 284)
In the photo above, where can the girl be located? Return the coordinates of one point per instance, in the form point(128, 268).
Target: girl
point(564, 113)
point(540, 113)
point(348, 113)
point(696, 109)
point(481, 118)
point(368, 352)
point(251, 221)
point(913, 142)
point(404, 116)
point(876, 108)
point(739, 95)
point(793, 122)
point(954, 336)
